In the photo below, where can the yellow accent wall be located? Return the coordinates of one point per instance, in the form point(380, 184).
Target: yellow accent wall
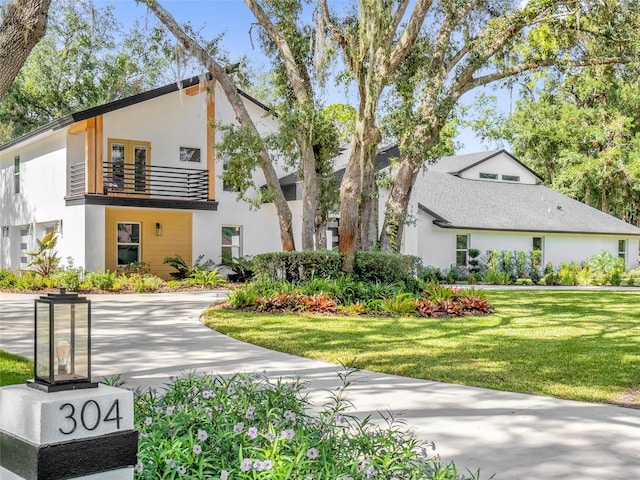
point(176, 238)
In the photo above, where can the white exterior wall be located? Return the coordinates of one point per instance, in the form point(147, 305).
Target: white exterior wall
point(260, 228)
point(437, 245)
point(94, 237)
point(501, 164)
point(42, 189)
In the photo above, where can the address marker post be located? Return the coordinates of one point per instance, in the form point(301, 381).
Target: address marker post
point(61, 425)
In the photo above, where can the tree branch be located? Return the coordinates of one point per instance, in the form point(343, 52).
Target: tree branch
point(23, 25)
point(408, 38)
point(242, 115)
point(301, 86)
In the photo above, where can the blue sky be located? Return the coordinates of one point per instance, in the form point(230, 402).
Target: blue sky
point(233, 18)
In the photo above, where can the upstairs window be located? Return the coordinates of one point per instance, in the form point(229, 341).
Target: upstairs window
point(511, 178)
point(226, 186)
point(16, 174)
point(462, 250)
point(489, 176)
point(622, 249)
point(189, 154)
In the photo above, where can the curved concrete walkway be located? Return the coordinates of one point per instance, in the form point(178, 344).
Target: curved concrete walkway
point(148, 338)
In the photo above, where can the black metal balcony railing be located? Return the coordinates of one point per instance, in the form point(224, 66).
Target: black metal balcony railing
point(149, 181)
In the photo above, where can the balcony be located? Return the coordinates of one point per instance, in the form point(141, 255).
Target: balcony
point(135, 185)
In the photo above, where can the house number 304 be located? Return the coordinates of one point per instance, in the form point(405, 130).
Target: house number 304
point(89, 416)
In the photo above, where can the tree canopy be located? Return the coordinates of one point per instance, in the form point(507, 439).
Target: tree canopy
point(582, 133)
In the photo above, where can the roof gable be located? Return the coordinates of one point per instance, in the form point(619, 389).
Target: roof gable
point(456, 202)
point(117, 105)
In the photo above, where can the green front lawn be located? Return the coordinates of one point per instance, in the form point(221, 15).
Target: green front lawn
point(14, 369)
point(581, 345)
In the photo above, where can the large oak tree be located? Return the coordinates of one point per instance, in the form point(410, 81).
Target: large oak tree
point(24, 23)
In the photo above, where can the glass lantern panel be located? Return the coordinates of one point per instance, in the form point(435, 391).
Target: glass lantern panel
point(62, 343)
point(42, 341)
point(81, 354)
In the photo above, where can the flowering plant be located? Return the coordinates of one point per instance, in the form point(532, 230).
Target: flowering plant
point(248, 427)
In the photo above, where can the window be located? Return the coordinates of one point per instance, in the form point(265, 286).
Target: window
point(128, 165)
point(462, 250)
point(622, 249)
point(188, 154)
point(231, 242)
point(16, 174)
point(490, 176)
point(511, 178)
point(226, 186)
point(5, 232)
point(128, 243)
point(537, 244)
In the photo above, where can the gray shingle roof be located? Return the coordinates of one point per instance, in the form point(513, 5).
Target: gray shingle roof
point(487, 205)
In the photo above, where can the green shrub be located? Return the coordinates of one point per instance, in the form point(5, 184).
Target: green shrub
point(244, 297)
point(568, 273)
point(386, 267)
point(8, 278)
point(203, 278)
point(430, 274)
point(243, 269)
point(141, 283)
point(608, 265)
point(45, 260)
point(29, 281)
point(298, 266)
point(183, 270)
point(247, 427)
point(401, 304)
point(101, 281)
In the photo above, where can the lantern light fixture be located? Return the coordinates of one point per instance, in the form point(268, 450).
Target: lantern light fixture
point(62, 353)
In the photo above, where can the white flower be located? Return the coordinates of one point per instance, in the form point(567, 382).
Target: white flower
point(224, 475)
point(202, 435)
point(197, 449)
point(148, 421)
point(238, 427)
point(139, 467)
point(252, 433)
point(170, 410)
point(182, 470)
point(312, 453)
point(288, 434)
point(246, 464)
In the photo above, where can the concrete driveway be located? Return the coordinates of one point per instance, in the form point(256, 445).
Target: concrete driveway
point(148, 338)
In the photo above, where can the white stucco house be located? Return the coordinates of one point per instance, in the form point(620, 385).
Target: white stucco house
point(133, 180)
point(138, 180)
point(492, 201)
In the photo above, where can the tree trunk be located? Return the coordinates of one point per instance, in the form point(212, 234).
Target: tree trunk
point(231, 92)
point(309, 194)
point(397, 206)
point(356, 194)
point(24, 24)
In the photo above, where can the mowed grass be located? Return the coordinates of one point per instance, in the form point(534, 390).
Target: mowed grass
point(14, 369)
point(581, 345)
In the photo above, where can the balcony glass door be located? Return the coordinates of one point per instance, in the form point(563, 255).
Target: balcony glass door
point(127, 168)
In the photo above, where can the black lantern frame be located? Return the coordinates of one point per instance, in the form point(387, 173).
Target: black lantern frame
point(62, 344)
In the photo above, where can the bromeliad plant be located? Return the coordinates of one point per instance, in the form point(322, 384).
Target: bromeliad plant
point(248, 427)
